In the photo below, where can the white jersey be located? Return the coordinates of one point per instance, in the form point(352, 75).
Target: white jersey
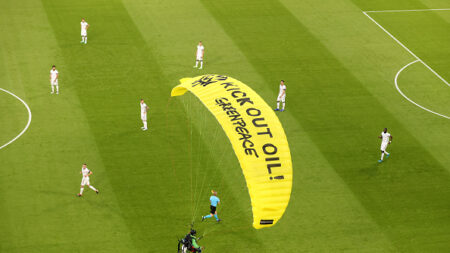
point(85, 172)
point(84, 26)
point(282, 88)
point(385, 137)
point(200, 50)
point(143, 108)
point(54, 74)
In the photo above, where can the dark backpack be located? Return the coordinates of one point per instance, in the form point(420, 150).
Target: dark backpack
point(187, 241)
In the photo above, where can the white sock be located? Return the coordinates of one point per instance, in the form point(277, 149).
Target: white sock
point(386, 153)
point(284, 104)
point(145, 124)
point(92, 187)
point(382, 155)
point(81, 190)
point(278, 105)
point(53, 88)
point(201, 64)
point(196, 63)
point(85, 40)
point(57, 89)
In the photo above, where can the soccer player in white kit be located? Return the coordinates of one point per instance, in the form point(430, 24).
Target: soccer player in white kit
point(199, 55)
point(386, 139)
point(144, 109)
point(54, 79)
point(281, 96)
point(85, 180)
point(84, 28)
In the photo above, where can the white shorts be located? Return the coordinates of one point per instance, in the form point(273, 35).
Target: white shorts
point(144, 116)
point(282, 99)
point(83, 33)
point(54, 82)
point(384, 146)
point(199, 57)
point(85, 181)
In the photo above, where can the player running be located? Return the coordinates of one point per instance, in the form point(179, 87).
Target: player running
point(386, 138)
point(281, 96)
point(200, 54)
point(144, 109)
point(85, 181)
point(54, 75)
point(214, 202)
point(84, 28)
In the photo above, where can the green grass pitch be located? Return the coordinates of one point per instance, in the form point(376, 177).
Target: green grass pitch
point(339, 68)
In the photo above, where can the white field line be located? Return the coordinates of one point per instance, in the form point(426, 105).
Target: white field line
point(398, 89)
point(407, 49)
point(29, 118)
point(408, 10)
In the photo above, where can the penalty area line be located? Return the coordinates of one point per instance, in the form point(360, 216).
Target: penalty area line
point(407, 49)
point(29, 118)
point(417, 10)
point(407, 98)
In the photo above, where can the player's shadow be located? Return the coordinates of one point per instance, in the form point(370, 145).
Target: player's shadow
point(130, 132)
point(94, 202)
point(45, 94)
point(371, 171)
point(188, 65)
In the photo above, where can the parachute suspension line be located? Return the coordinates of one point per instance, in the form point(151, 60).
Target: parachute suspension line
point(173, 151)
point(168, 138)
point(219, 164)
point(213, 145)
point(195, 160)
point(196, 198)
point(193, 188)
point(189, 129)
point(257, 138)
point(198, 158)
point(222, 180)
point(225, 198)
point(198, 151)
point(226, 150)
point(217, 168)
point(199, 198)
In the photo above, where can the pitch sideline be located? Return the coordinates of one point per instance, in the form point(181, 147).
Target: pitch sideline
point(29, 118)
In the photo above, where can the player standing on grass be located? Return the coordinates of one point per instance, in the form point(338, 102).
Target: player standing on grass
point(85, 180)
point(199, 56)
point(214, 202)
point(144, 109)
point(281, 96)
point(386, 138)
point(54, 79)
point(84, 28)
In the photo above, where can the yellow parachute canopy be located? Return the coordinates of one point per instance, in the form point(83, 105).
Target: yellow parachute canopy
point(257, 137)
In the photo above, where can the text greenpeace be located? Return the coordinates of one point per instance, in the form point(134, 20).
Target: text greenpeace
point(257, 137)
point(245, 136)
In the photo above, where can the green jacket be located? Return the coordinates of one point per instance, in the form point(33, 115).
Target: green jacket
point(194, 242)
